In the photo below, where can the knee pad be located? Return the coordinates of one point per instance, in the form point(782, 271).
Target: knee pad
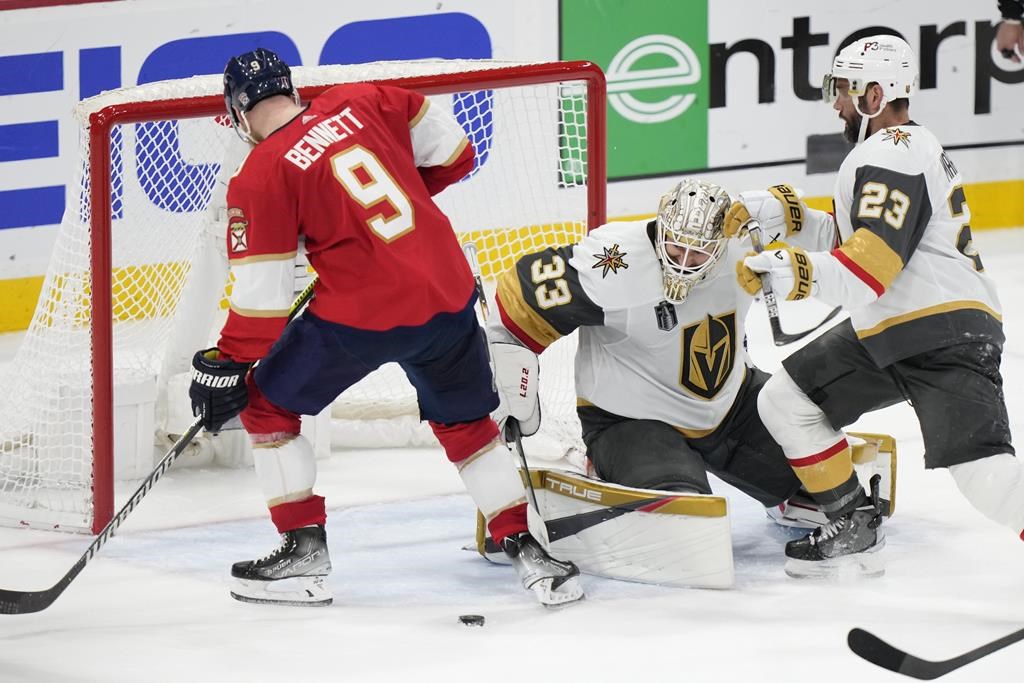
point(285, 467)
point(794, 421)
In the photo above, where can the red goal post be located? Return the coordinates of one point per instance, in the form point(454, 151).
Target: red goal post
point(58, 471)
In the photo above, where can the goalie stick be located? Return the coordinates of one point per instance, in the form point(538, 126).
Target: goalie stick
point(27, 602)
point(781, 338)
point(880, 653)
point(512, 424)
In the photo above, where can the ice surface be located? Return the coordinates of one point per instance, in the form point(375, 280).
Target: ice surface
point(154, 605)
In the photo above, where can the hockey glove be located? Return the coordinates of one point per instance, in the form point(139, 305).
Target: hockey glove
point(516, 377)
point(790, 268)
point(778, 209)
point(218, 390)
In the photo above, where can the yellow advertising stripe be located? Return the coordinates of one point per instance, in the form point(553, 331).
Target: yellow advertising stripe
point(996, 204)
point(19, 297)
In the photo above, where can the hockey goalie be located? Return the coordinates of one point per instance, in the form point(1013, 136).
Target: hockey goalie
point(666, 394)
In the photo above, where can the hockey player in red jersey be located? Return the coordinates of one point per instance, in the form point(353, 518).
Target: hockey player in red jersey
point(352, 174)
point(925, 323)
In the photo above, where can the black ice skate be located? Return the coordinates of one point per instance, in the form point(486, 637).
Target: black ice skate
point(555, 583)
point(293, 574)
point(849, 544)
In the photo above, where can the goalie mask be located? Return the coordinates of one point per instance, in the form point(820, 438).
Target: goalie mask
point(882, 59)
point(250, 78)
point(690, 239)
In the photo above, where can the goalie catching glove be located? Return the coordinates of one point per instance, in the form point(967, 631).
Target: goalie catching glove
point(790, 268)
point(218, 390)
point(517, 379)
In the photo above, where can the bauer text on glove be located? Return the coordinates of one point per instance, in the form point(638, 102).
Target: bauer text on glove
point(790, 268)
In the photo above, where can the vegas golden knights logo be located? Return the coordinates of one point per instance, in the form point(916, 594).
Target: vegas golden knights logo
point(708, 354)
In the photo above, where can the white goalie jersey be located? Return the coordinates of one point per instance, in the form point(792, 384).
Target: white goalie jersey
point(639, 356)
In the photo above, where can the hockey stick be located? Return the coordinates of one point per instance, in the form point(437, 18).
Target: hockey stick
point(511, 424)
point(26, 602)
point(781, 338)
point(875, 650)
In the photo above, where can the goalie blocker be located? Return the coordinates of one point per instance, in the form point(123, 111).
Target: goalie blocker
point(660, 537)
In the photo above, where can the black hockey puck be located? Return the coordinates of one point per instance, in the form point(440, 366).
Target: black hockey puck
point(471, 619)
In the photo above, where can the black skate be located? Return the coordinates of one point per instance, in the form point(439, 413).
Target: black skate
point(555, 583)
point(847, 545)
point(293, 574)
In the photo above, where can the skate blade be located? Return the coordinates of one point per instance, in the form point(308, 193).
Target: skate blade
point(299, 591)
point(566, 594)
point(868, 564)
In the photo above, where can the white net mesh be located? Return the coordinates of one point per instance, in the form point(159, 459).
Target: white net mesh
point(529, 190)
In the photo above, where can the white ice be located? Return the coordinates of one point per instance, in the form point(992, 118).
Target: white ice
point(154, 604)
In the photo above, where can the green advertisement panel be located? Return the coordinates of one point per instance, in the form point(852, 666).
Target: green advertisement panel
point(655, 57)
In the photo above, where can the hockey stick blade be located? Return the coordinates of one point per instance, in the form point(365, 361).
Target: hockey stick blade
point(780, 337)
point(27, 602)
point(880, 653)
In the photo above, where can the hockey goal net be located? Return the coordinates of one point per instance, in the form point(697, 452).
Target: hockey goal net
point(135, 283)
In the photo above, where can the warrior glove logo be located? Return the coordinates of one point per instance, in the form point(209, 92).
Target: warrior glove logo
point(214, 381)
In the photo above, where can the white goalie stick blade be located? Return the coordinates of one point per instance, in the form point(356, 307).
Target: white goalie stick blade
point(298, 591)
point(659, 537)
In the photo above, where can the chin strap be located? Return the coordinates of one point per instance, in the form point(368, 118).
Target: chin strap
point(864, 118)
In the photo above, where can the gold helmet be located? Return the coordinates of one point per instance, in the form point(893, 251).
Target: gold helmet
point(690, 219)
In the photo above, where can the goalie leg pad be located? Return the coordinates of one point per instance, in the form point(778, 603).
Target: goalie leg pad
point(659, 537)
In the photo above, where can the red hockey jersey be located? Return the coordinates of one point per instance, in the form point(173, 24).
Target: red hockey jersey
point(353, 174)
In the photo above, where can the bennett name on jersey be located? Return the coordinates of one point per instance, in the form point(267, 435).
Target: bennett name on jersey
point(322, 135)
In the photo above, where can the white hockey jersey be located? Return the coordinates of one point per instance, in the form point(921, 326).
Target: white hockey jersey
point(639, 356)
point(906, 269)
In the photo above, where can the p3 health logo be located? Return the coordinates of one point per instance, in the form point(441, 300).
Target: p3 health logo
point(450, 35)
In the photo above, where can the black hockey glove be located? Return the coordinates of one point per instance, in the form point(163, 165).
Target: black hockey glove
point(218, 390)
